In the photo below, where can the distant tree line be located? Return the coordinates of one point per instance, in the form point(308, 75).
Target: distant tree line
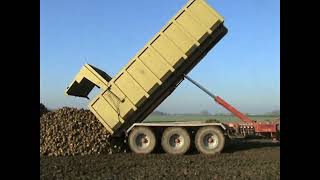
point(159, 113)
point(207, 113)
point(273, 113)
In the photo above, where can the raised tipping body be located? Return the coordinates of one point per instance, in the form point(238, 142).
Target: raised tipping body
point(154, 72)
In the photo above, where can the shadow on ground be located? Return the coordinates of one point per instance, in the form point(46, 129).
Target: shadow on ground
point(232, 146)
point(242, 145)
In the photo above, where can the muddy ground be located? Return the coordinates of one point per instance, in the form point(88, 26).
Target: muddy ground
point(251, 159)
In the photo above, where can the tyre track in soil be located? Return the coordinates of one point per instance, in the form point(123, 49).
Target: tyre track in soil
point(252, 159)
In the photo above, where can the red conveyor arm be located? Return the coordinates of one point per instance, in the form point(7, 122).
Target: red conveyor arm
point(233, 110)
point(223, 103)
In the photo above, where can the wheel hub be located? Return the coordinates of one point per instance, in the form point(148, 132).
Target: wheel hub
point(142, 141)
point(210, 141)
point(176, 141)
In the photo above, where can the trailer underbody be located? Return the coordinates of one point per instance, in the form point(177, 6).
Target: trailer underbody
point(208, 137)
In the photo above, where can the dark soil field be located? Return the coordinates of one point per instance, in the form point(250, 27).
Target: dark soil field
point(74, 145)
point(250, 159)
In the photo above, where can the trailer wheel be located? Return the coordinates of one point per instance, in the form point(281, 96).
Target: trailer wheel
point(209, 140)
point(175, 140)
point(142, 140)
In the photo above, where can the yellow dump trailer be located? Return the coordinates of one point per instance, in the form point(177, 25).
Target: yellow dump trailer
point(154, 72)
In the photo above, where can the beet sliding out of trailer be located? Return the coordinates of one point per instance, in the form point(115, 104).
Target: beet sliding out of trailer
point(126, 99)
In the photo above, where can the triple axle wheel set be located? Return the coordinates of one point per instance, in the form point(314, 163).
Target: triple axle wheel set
point(177, 140)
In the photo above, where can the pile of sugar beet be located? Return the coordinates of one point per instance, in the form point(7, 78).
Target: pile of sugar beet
point(70, 131)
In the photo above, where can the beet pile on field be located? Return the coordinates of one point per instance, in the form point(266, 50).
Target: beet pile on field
point(43, 109)
point(71, 131)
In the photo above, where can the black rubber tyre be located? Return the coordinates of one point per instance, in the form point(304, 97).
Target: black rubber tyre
point(209, 140)
point(175, 140)
point(142, 140)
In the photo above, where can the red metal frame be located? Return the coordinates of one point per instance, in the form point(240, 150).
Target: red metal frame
point(233, 110)
point(259, 127)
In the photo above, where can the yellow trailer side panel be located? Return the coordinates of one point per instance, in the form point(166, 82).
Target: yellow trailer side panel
point(179, 37)
point(191, 26)
point(131, 88)
point(124, 108)
point(147, 77)
point(168, 50)
point(104, 109)
point(157, 64)
point(203, 14)
point(160, 57)
point(143, 76)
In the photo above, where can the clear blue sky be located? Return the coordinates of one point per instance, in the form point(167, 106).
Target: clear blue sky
point(243, 68)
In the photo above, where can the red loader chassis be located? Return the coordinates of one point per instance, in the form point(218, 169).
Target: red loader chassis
point(249, 127)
